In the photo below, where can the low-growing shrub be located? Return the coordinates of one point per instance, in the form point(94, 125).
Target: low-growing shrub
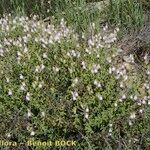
point(55, 85)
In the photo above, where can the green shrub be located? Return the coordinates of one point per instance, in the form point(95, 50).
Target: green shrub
point(53, 86)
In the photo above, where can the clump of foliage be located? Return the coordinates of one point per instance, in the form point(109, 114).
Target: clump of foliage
point(127, 13)
point(55, 84)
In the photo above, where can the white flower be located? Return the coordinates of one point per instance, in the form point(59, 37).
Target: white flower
point(109, 60)
point(7, 80)
point(25, 39)
point(135, 97)
point(78, 54)
point(148, 72)
point(87, 110)
point(90, 42)
point(28, 96)
point(120, 100)
point(42, 67)
point(121, 85)
point(110, 129)
point(132, 115)
point(10, 92)
point(74, 95)
point(105, 27)
point(117, 29)
point(130, 123)
point(22, 88)
point(110, 134)
point(83, 65)
point(94, 71)
point(95, 82)
point(131, 58)
point(121, 73)
point(115, 104)
point(8, 135)
point(99, 85)
point(40, 85)
point(37, 68)
point(146, 85)
point(43, 45)
point(86, 115)
point(43, 114)
point(56, 69)
point(34, 84)
point(19, 54)
point(75, 81)
point(141, 110)
point(32, 133)
point(74, 53)
point(25, 50)
point(124, 96)
point(1, 52)
point(29, 114)
point(143, 101)
point(131, 96)
point(70, 70)
point(113, 69)
point(95, 68)
point(97, 56)
point(93, 25)
point(88, 51)
point(68, 54)
point(125, 77)
point(18, 60)
point(44, 55)
point(99, 97)
point(21, 76)
point(146, 58)
point(110, 70)
point(110, 125)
